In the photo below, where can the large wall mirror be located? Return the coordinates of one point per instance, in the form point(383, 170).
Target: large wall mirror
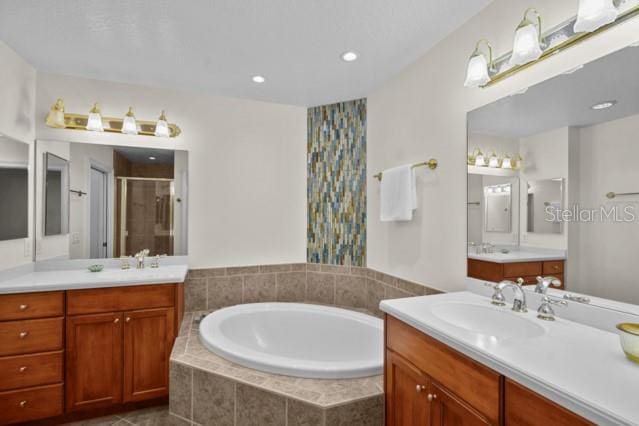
point(569, 150)
point(14, 189)
point(102, 201)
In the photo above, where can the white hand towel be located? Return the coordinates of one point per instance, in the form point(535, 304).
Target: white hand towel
point(398, 194)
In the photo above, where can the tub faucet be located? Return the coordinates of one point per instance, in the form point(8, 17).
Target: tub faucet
point(139, 256)
point(519, 303)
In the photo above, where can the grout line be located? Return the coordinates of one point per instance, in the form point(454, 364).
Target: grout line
point(192, 418)
point(285, 411)
point(235, 403)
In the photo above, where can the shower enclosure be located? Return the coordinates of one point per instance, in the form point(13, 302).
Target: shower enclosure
point(144, 216)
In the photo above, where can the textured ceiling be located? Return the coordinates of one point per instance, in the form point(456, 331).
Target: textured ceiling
point(217, 45)
point(565, 100)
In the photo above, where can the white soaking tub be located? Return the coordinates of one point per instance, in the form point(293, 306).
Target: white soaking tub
point(297, 339)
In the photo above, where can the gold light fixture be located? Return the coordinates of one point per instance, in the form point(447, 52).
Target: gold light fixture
point(506, 163)
point(162, 126)
point(129, 126)
point(594, 14)
point(94, 122)
point(493, 161)
point(477, 72)
point(480, 160)
point(528, 45)
point(57, 118)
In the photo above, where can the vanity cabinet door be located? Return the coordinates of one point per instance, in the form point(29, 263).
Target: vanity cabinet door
point(406, 393)
point(148, 340)
point(94, 361)
point(447, 409)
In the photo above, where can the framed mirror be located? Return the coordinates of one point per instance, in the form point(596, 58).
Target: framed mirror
point(571, 143)
point(120, 201)
point(14, 189)
point(56, 195)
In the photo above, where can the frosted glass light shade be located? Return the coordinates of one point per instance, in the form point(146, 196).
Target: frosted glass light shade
point(526, 47)
point(477, 71)
point(94, 123)
point(129, 126)
point(480, 161)
point(493, 161)
point(506, 164)
point(593, 14)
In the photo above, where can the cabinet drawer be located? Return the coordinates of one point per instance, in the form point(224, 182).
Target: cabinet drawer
point(522, 269)
point(553, 268)
point(115, 299)
point(477, 385)
point(489, 271)
point(29, 336)
point(24, 371)
point(30, 404)
point(31, 305)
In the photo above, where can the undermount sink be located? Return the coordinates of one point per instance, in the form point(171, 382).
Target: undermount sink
point(487, 320)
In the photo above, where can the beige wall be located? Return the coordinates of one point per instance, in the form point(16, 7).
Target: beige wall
point(17, 106)
point(421, 113)
point(247, 164)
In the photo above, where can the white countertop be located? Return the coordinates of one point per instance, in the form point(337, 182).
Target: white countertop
point(516, 256)
point(579, 367)
point(73, 279)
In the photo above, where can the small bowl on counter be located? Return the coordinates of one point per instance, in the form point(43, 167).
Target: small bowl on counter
point(96, 268)
point(629, 336)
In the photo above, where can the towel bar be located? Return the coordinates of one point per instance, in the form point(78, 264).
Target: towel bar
point(616, 194)
point(432, 164)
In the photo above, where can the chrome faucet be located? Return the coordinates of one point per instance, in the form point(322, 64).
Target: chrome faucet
point(519, 303)
point(545, 311)
point(139, 256)
point(156, 261)
point(544, 282)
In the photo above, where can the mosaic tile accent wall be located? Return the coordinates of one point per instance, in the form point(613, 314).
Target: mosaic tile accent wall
point(336, 184)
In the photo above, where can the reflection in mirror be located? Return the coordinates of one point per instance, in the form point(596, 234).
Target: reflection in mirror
point(544, 199)
point(577, 136)
point(122, 200)
point(14, 189)
point(56, 195)
point(498, 212)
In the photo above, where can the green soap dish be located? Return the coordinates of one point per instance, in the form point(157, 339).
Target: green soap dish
point(96, 268)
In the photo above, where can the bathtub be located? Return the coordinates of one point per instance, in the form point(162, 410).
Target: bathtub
point(297, 339)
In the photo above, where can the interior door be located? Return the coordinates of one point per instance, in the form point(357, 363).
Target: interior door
point(406, 393)
point(98, 215)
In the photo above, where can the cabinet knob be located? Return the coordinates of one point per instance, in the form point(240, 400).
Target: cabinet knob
point(23, 369)
point(23, 404)
point(23, 307)
point(117, 320)
point(128, 319)
point(420, 388)
point(432, 396)
point(24, 334)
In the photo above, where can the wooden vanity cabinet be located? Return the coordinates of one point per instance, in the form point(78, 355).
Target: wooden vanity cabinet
point(528, 271)
point(428, 383)
point(119, 342)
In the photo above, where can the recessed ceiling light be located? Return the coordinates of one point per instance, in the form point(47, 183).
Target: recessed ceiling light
point(603, 105)
point(349, 56)
point(258, 79)
point(151, 158)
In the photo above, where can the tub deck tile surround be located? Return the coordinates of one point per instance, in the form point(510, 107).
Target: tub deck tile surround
point(345, 286)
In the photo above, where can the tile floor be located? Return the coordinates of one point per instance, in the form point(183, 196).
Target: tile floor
point(154, 416)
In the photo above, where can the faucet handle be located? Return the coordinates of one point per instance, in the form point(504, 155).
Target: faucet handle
point(498, 297)
point(520, 281)
point(545, 311)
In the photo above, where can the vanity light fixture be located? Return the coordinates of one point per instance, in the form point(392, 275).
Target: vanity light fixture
point(603, 105)
point(162, 126)
point(480, 160)
point(349, 56)
point(94, 122)
point(517, 162)
point(594, 14)
point(129, 125)
point(506, 164)
point(528, 45)
point(259, 79)
point(477, 72)
point(493, 161)
point(55, 117)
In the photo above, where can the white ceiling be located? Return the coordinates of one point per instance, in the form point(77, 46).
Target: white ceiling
point(216, 46)
point(142, 155)
point(566, 100)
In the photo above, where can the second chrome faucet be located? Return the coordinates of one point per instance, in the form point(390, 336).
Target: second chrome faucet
point(519, 303)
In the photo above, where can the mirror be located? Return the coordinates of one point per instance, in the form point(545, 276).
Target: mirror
point(498, 208)
point(570, 145)
point(120, 201)
point(56, 195)
point(544, 202)
point(14, 189)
